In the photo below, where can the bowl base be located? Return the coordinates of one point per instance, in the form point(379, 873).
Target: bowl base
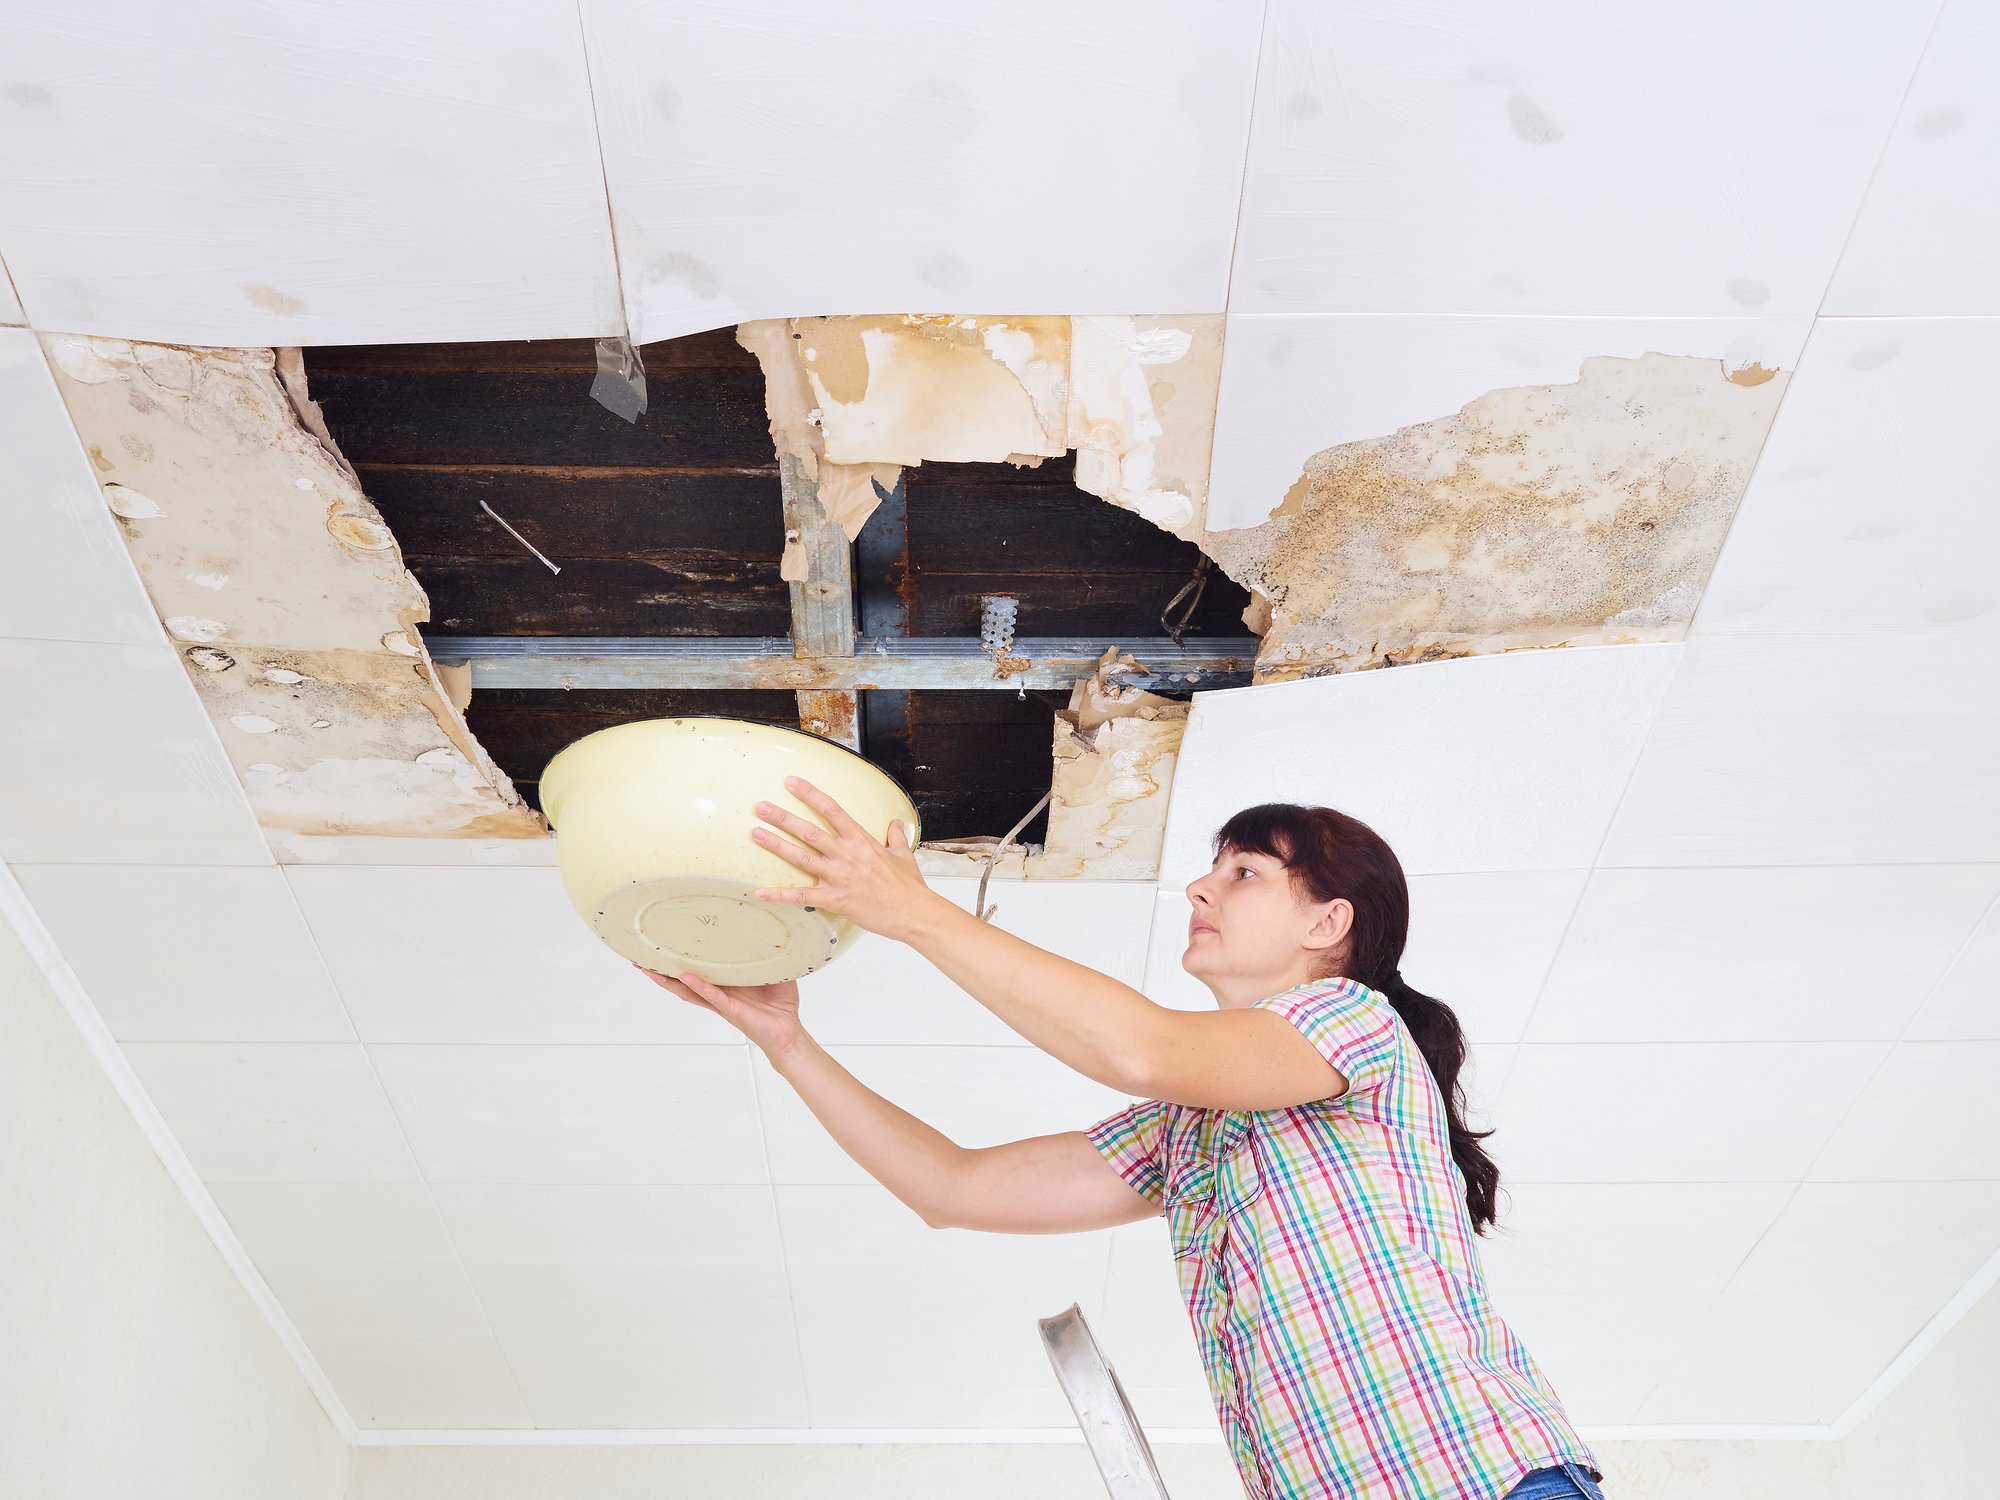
point(718, 929)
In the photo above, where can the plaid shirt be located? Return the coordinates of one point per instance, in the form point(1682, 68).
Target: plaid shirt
point(1327, 1261)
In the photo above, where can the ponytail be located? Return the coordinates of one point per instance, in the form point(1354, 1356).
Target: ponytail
point(1333, 857)
point(1434, 1027)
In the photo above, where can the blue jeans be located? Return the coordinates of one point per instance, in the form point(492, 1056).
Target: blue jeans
point(1564, 1482)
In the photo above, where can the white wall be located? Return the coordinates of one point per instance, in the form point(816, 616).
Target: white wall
point(134, 1364)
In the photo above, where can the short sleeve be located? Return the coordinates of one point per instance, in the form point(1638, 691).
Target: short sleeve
point(1349, 1025)
point(1129, 1142)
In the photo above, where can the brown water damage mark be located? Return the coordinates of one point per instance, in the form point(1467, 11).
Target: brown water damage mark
point(1586, 513)
point(296, 618)
point(272, 300)
point(1133, 396)
point(1114, 756)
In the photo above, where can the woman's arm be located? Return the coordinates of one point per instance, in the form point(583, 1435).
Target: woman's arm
point(1239, 1059)
point(1049, 1185)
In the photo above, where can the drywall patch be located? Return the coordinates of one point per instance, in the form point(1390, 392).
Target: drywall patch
point(284, 590)
point(1586, 513)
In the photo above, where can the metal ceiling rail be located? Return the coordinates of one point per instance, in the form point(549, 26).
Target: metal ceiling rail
point(906, 662)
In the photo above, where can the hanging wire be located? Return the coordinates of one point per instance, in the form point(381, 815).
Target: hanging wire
point(1197, 586)
point(979, 906)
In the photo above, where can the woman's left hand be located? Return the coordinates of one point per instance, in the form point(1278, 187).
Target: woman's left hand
point(874, 885)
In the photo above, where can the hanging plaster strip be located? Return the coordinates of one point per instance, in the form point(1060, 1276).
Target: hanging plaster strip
point(284, 591)
point(847, 493)
point(1116, 747)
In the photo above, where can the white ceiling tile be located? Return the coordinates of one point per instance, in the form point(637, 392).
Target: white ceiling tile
point(886, 993)
point(1604, 1351)
point(1845, 1278)
point(1820, 750)
point(576, 1114)
point(411, 1359)
point(1294, 384)
point(1484, 1079)
point(631, 1242)
point(107, 758)
point(1932, 1113)
point(344, 1239)
point(978, 1096)
point(1483, 943)
point(1675, 1111)
point(1834, 952)
point(279, 174)
point(1700, 159)
point(1873, 506)
point(1623, 1238)
point(692, 1359)
point(1966, 1002)
point(481, 955)
point(1510, 762)
point(64, 573)
point(189, 953)
point(274, 1111)
point(1928, 236)
point(1146, 1335)
point(905, 1326)
point(935, 161)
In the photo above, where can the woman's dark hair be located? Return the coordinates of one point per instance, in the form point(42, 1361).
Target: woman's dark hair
point(1332, 857)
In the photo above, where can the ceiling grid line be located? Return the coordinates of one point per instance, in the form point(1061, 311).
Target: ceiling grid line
point(784, 1240)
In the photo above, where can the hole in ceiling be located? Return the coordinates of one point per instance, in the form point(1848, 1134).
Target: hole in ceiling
point(673, 526)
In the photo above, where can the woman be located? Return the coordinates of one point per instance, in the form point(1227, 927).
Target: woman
point(1304, 1141)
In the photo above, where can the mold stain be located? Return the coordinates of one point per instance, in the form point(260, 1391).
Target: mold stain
point(1586, 513)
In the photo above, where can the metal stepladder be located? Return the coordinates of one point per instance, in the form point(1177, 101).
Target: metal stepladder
point(1110, 1429)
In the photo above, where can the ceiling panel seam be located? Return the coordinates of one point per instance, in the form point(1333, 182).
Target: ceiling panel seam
point(627, 317)
point(1875, 169)
point(1597, 855)
point(778, 1227)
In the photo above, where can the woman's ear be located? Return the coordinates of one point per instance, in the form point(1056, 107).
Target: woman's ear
point(1331, 927)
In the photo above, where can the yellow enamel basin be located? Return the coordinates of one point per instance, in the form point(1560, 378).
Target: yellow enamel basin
point(653, 826)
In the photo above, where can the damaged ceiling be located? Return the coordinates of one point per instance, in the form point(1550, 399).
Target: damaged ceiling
point(1466, 347)
point(505, 506)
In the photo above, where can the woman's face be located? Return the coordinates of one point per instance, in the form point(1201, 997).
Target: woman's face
point(1253, 934)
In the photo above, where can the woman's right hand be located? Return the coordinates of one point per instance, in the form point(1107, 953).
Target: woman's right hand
point(768, 1014)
